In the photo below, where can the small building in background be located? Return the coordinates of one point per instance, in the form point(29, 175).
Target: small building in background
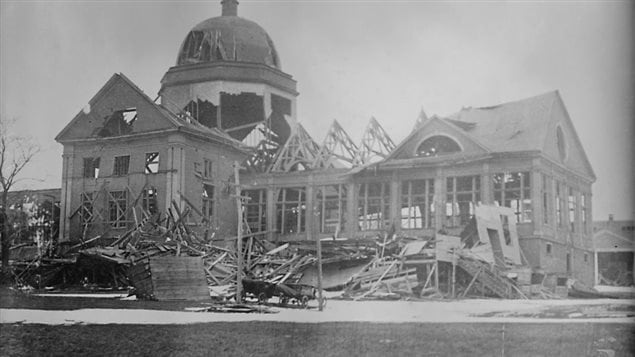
point(614, 249)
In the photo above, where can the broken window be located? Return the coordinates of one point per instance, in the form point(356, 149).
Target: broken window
point(559, 203)
point(331, 208)
point(86, 210)
point(207, 198)
point(462, 195)
point(122, 164)
point(207, 168)
point(152, 163)
point(291, 210)
point(417, 204)
point(255, 209)
point(572, 207)
point(373, 206)
point(150, 200)
point(91, 167)
point(514, 190)
point(437, 145)
point(117, 209)
point(240, 113)
point(118, 123)
point(203, 111)
point(545, 198)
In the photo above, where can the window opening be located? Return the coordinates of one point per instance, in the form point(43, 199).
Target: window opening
point(514, 190)
point(373, 205)
point(291, 210)
point(152, 163)
point(437, 145)
point(117, 208)
point(572, 207)
point(122, 164)
point(255, 209)
point(150, 200)
point(207, 198)
point(545, 199)
point(417, 204)
point(331, 208)
point(462, 195)
point(91, 167)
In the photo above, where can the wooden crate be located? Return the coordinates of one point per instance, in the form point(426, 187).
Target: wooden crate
point(170, 278)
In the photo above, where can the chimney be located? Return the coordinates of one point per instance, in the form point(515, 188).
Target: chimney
point(230, 7)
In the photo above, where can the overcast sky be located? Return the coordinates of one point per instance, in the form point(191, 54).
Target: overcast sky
point(352, 60)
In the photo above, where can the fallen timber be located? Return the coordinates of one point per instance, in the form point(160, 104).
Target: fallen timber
point(162, 258)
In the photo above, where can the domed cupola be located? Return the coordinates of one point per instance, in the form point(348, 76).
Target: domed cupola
point(228, 38)
point(227, 76)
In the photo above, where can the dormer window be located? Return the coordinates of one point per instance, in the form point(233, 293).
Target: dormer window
point(437, 145)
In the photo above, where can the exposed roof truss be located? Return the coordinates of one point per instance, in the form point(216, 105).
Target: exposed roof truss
point(375, 143)
point(337, 149)
point(298, 153)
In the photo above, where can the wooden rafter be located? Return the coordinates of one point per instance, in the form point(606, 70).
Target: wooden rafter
point(375, 143)
point(337, 145)
point(422, 118)
point(298, 153)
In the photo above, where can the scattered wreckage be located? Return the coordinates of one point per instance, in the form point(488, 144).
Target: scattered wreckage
point(164, 259)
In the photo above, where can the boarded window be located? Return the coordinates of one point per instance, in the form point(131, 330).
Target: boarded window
point(117, 208)
point(514, 190)
point(152, 163)
point(255, 209)
point(417, 204)
point(91, 167)
point(207, 198)
point(150, 200)
point(291, 210)
point(331, 208)
point(122, 164)
point(373, 206)
point(462, 195)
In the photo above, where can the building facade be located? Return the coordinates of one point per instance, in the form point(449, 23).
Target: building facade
point(227, 100)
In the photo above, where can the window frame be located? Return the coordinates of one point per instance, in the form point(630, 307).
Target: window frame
point(453, 205)
point(365, 219)
point(286, 209)
point(524, 204)
point(152, 159)
point(121, 165)
point(325, 203)
point(118, 204)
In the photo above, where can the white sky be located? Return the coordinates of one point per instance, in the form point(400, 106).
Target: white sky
point(352, 60)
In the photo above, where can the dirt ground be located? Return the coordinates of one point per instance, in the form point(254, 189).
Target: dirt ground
point(299, 338)
point(324, 339)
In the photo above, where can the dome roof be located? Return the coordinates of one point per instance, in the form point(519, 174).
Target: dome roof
point(228, 38)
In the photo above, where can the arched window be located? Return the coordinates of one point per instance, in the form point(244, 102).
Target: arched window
point(437, 145)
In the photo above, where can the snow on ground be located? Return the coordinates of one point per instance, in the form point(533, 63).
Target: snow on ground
point(335, 311)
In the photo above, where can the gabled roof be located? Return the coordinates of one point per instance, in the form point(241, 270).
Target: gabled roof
point(158, 117)
point(526, 125)
point(515, 126)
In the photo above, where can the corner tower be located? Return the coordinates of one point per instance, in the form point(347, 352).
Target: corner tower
point(228, 76)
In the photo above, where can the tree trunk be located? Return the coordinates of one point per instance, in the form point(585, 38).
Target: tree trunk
point(4, 223)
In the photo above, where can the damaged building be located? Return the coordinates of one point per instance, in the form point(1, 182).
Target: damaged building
point(227, 100)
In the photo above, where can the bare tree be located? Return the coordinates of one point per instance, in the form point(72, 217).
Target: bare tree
point(15, 153)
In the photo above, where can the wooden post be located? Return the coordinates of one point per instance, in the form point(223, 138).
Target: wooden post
point(239, 236)
point(453, 273)
point(436, 275)
point(318, 244)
